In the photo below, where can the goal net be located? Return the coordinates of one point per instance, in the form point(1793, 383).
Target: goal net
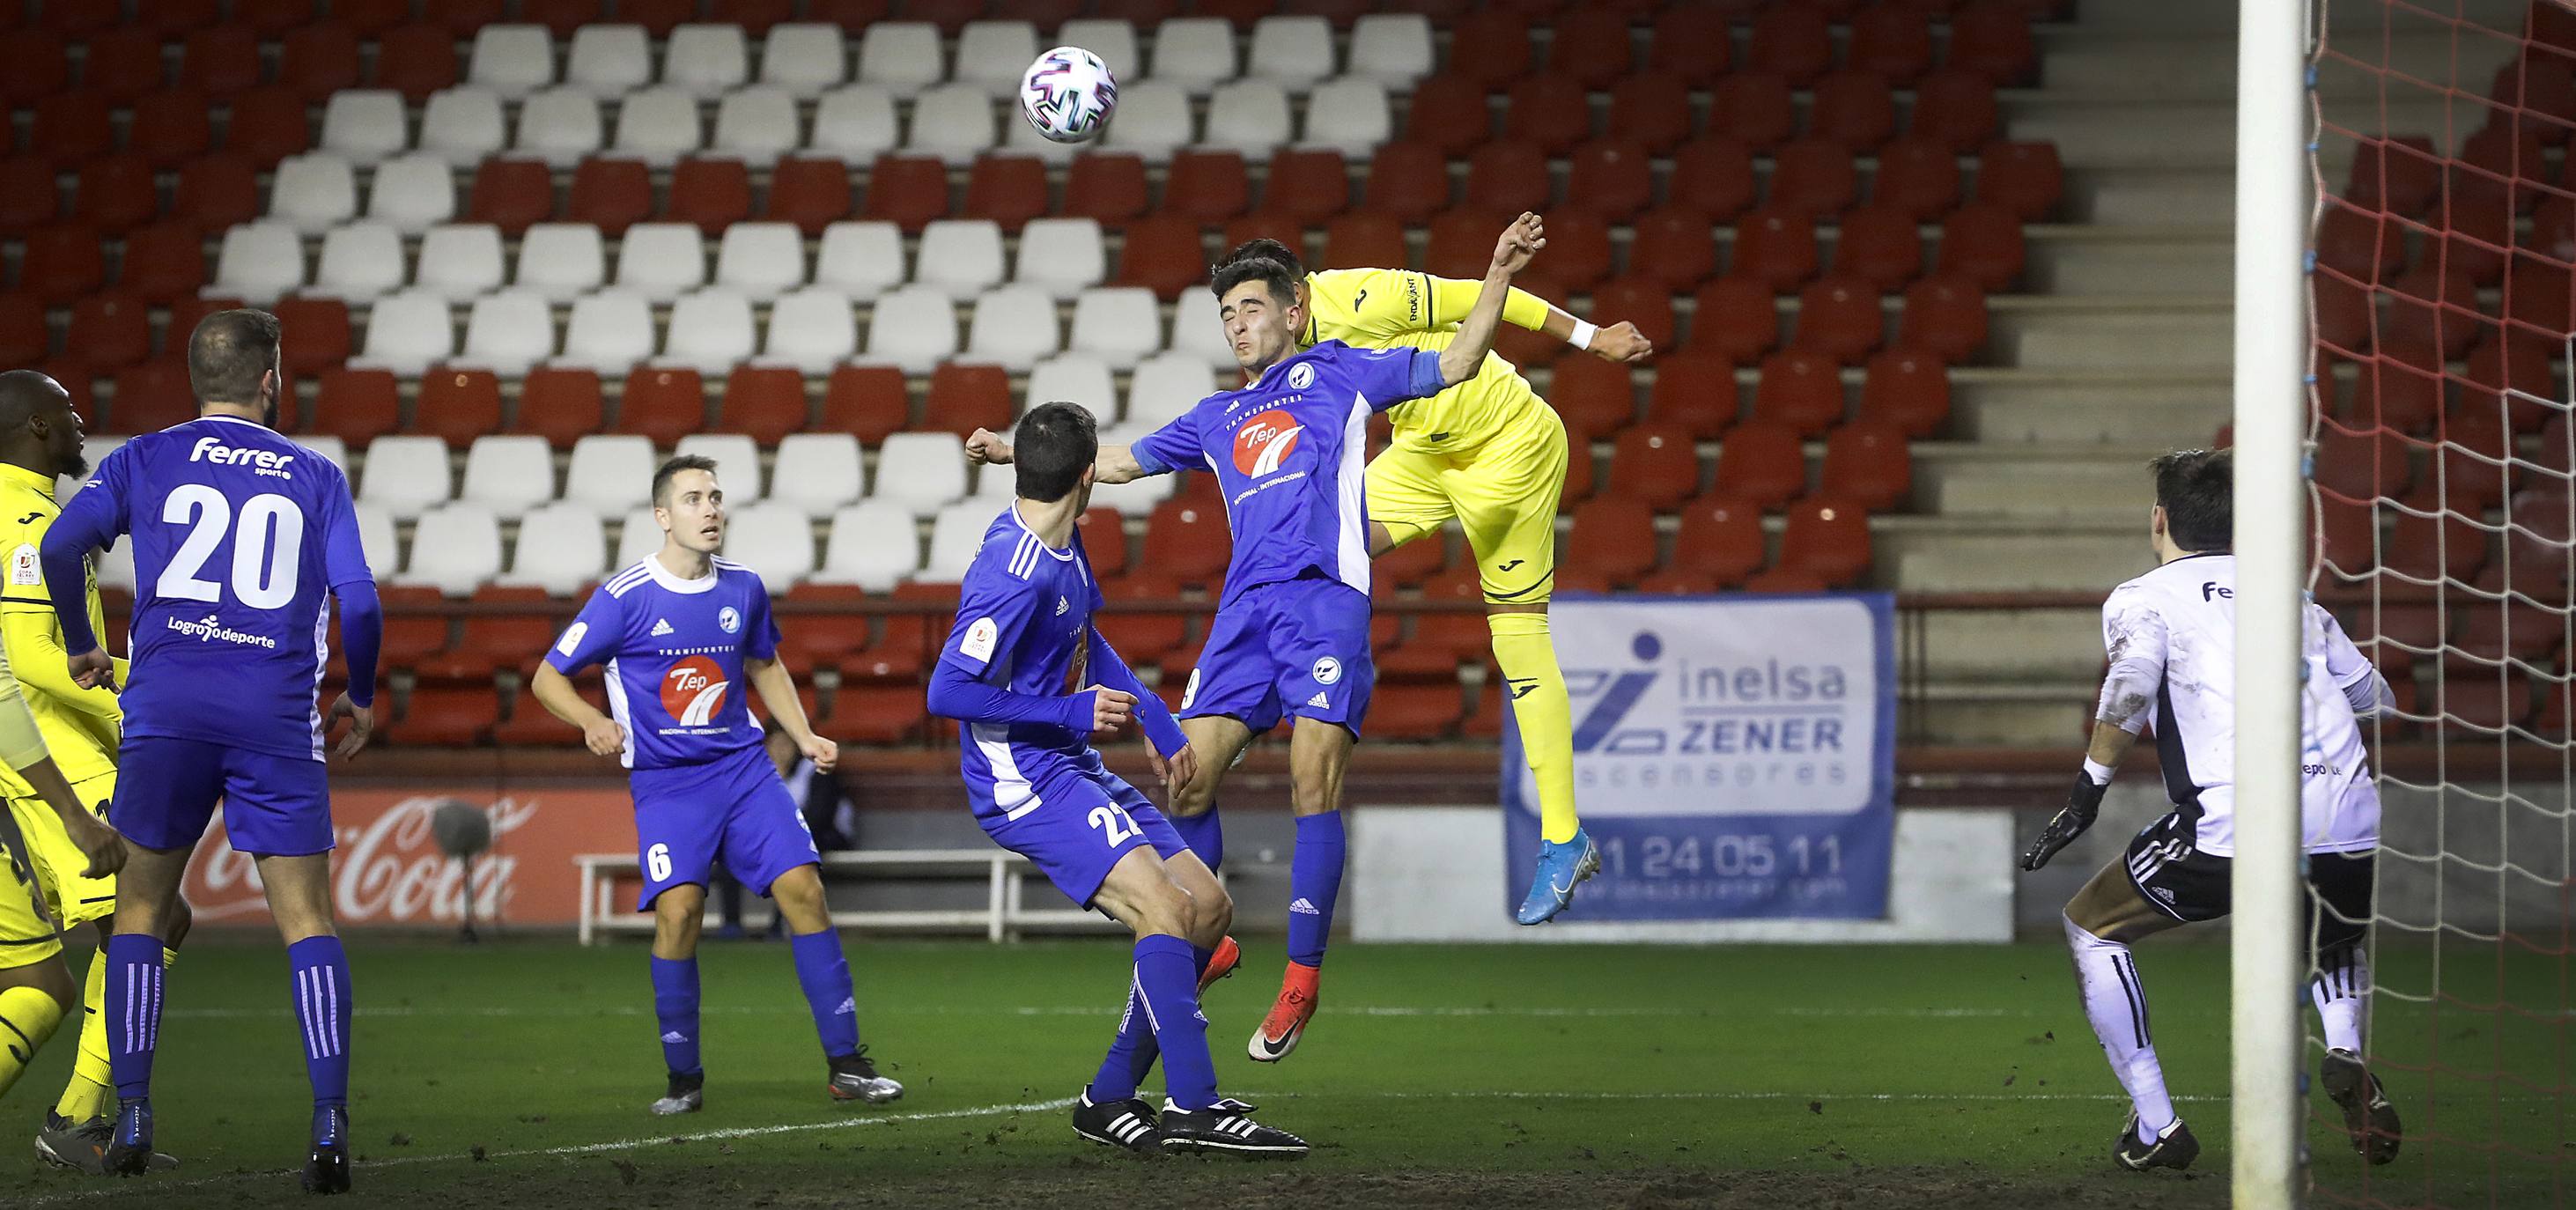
point(2446, 224)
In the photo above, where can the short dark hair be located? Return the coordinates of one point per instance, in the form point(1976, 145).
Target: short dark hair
point(671, 469)
point(1265, 248)
point(1233, 273)
point(1053, 444)
point(2197, 490)
point(229, 352)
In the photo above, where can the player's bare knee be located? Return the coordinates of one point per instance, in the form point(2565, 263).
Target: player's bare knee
point(177, 922)
point(800, 898)
point(677, 913)
point(1212, 917)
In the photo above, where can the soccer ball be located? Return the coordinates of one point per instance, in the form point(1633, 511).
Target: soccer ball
point(1068, 94)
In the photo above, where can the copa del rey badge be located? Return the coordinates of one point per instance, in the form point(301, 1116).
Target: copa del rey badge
point(25, 569)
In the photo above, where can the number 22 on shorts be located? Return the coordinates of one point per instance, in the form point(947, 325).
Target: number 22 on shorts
point(1114, 822)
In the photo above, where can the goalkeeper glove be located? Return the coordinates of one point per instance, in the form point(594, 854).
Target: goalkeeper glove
point(2083, 803)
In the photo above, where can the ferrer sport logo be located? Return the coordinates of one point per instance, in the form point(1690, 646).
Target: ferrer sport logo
point(1265, 441)
point(692, 691)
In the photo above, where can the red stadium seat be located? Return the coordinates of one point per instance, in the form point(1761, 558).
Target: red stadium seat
point(1407, 182)
point(416, 60)
point(2024, 178)
point(1992, 39)
point(1592, 53)
point(2432, 545)
point(1890, 41)
point(964, 398)
point(2402, 390)
point(1879, 244)
point(2398, 175)
point(71, 127)
point(1206, 186)
point(1907, 389)
point(268, 125)
point(1188, 542)
point(1693, 42)
point(1549, 112)
point(491, 641)
point(1104, 540)
point(1812, 177)
point(461, 18)
point(1828, 539)
point(1365, 241)
point(152, 397)
point(1735, 318)
point(511, 195)
point(853, 16)
point(1578, 258)
point(411, 637)
point(1761, 463)
point(611, 195)
point(1307, 186)
point(2361, 464)
point(356, 406)
point(76, 20)
point(170, 128)
point(1720, 539)
point(1490, 49)
point(1775, 247)
point(371, 17)
point(1460, 243)
point(1754, 108)
point(663, 404)
point(1342, 13)
point(952, 15)
point(457, 716)
point(314, 334)
point(907, 190)
point(1407, 566)
point(813, 193)
point(876, 714)
point(1655, 463)
point(24, 336)
point(1140, 637)
point(1792, 41)
point(1714, 174)
point(40, 65)
point(714, 194)
point(62, 263)
point(2513, 369)
point(1801, 391)
point(1695, 393)
point(1852, 110)
point(869, 402)
point(1944, 316)
point(36, 204)
point(1839, 317)
point(1449, 113)
point(767, 402)
point(1416, 713)
point(1651, 109)
point(756, 16)
point(1007, 190)
point(1955, 109)
point(828, 640)
point(1612, 180)
point(1868, 463)
point(457, 406)
point(122, 64)
point(1163, 254)
point(220, 61)
point(108, 332)
point(1917, 177)
point(562, 18)
point(561, 405)
point(1108, 187)
point(1982, 242)
point(320, 59)
point(1506, 177)
point(2474, 476)
point(1640, 302)
point(1595, 397)
point(2429, 306)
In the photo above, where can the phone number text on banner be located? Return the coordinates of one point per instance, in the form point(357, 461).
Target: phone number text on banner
point(1734, 756)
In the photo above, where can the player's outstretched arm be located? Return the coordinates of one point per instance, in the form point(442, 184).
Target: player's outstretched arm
point(34, 644)
point(1512, 253)
point(1619, 342)
point(554, 691)
point(2136, 642)
point(1165, 744)
point(956, 694)
point(777, 689)
point(1114, 464)
point(88, 522)
point(23, 747)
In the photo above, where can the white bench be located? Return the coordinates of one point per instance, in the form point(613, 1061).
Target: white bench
point(1002, 917)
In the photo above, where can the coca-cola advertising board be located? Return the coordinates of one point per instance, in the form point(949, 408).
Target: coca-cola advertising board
point(390, 869)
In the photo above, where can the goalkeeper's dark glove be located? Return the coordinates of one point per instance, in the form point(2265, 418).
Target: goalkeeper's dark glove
point(2083, 803)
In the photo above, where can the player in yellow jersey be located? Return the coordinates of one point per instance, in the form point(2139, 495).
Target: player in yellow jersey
point(1492, 455)
point(40, 439)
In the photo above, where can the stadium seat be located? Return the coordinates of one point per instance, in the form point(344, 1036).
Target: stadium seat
point(1719, 544)
point(1197, 331)
point(1393, 49)
point(1294, 52)
point(1675, 246)
point(960, 258)
point(173, 129)
point(1753, 108)
point(1347, 116)
point(872, 545)
point(661, 261)
point(1578, 259)
point(816, 473)
point(460, 260)
point(920, 472)
point(914, 328)
point(1355, 241)
point(1801, 390)
point(1890, 41)
point(1448, 113)
point(1154, 121)
point(1694, 392)
point(1992, 39)
point(964, 398)
point(462, 18)
point(761, 260)
point(710, 194)
point(1944, 316)
point(561, 548)
point(1503, 178)
point(415, 60)
point(1192, 53)
point(1982, 242)
point(775, 541)
point(607, 61)
point(1610, 180)
point(907, 190)
point(1880, 245)
point(1594, 397)
point(115, 194)
point(1206, 187)
point(2398, 175)
point(405, 475)
point(953, 122)
point(1812, 177)
point(1075, 378)
point(860, 260)
point(1007, 190)
point(1839, 318)
point(1917, 177)
point(1118, 324)
point(804, 58)
point(40, 62)
point(658, 126)
point(71, 127)
point(1104, 541)
point(660, 403)
point(1014, 327)
point(407, 333)
point(1853, 110)
point(508, 474)
point(220, 61)
point(1164, 387)
point(737, 459)
point(1062, 256)
point(1613, 536)
point(1651, 109)
point(1794, 42)
point(24, 337)
point(561, 405)
point(443, 716)
point(813, 194)
point(1548, 112)
point(1307, 188)
point(1592, 53)
point(149, 397)
point(1188, 542)
point(868, 402)
point(992, 54)
point(810, 331)
point(313, 192)
point(1775, 248)
point(413, 192)
point(710, 330)
point(511, 194)
point(638, 536)
point(1867, 463)
point(956, 534)
point(902, 57)
point(512, 60)
point(1656, 464)
point(407, 639)
point(755, 126)
point(560, 126)
point(356, 406)
point(2022, 177)
point(560, 261)
point(1638, 301)
point(1827, 539)
point(1954, 109)
point(610, 473)
point(1490, 49)
point(1907, 389)
point(706, 61)
point(1107, 188)
point(1140, 638)
point(1761, 463)
point(507, 332)
point(61, 263)
point(855, 123)
point(364, 126)
point(1163, 254)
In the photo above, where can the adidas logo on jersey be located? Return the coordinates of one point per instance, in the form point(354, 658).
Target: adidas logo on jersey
point(1318, 701)
point(849, 1007)
point(661, 627)
point(1303, 906)
point(1061, 605)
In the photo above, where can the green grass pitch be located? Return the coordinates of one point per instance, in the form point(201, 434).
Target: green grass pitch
point(516, 1074)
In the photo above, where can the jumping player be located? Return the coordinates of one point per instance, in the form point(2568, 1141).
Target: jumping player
point(1291, 634)
point(2171, 635)
point(681, 632)
point(240, 537)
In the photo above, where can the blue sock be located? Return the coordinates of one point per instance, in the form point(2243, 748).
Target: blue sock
point(133, 1010)
point(1314, 886)
point(825, 975)
point(1132, 1053)
point(1170, 991)
point(675, 1007)
point(322, 1007)
point(1204, 835)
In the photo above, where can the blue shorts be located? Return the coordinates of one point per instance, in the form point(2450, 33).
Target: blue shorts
point(1295, 648)
point(167, 788)
point(732, 809)
point(1081, 826)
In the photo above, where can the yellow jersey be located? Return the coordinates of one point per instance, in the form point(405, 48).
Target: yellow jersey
point(1388, 308)
point(80, 726)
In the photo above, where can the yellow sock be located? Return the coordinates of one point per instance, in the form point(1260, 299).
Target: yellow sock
point(1545, 716)
point(90, 1092)
point(27, 1018)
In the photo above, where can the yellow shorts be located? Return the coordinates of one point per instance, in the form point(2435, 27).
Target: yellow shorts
point(71, 897)
point(1504, 493)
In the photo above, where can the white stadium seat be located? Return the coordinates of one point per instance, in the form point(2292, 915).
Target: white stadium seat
point(1153, 121)
point(1196, 330)
point(638, 536)
point(1166, 385)
point(1292, 52)
point(560, 126)
point(961, 257)
point(756, 126)
point(992, 54)
point(313, 192)
point(360, 261)
point(407, 333)
point(873, 545)
point(775, 541)
point(813, 329)
point(658, 126)
point(561, 260)
point(1350, 116)
point(860, 259)
point(609, 333)
point(1074, 378)
point(711, 330)
point(1118, 324)
point(995, 488)
point(763, 260)
point(508, 473)
point(1024, 139)
point(456, 548)
point(508, 333)
point(413, 192)
point(326, 447)
point(608, 61)
point(460, 260)
point(855, 123)
point(1063, 256)
point(257, 263)
point(953, 122)
point(662, 260)
point(561, 548)
point(463, 125)
point(1113, 39)
point(817, 472)
point(737, 463)
point(903, 57)
point(1248, 116)
point(1193, 52)
point(512, 60)
point(364, 125)
point(805, 58)
point(707, 61)
point(956, 533)
point(1393, 49)
point(920, 472)
point(610, 473)
point(914, 327)
point(1014, 327)
point(376, 536)
point(405, 474)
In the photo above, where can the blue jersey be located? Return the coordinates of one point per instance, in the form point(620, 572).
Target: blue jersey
point(1023, 618)
point(240, 535)
point(674, 650)
point(1287, 452)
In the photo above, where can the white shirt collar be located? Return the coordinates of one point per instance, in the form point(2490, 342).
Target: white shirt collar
point(671, 581)
point(1023, 523)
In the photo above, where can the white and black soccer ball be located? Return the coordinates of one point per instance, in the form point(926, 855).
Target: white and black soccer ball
point(1068, 94)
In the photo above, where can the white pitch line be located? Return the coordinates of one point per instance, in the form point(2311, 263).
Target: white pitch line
point(1359, 1010)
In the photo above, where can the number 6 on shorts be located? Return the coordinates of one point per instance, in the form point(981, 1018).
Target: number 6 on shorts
point(657, 862)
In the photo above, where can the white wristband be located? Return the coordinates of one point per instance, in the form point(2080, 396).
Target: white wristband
point(1582, 338)
point(2099, 772)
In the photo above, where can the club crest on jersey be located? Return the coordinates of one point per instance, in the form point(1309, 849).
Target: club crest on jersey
point(729, 619)
point(1266, 440)
point(1327, 670)
point(693, 690)
point(1301, 376)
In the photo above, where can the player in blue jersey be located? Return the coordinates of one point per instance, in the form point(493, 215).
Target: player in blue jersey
point(1031, 682)
point(240, 538)
point(682, 632)
point(1291, 635)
